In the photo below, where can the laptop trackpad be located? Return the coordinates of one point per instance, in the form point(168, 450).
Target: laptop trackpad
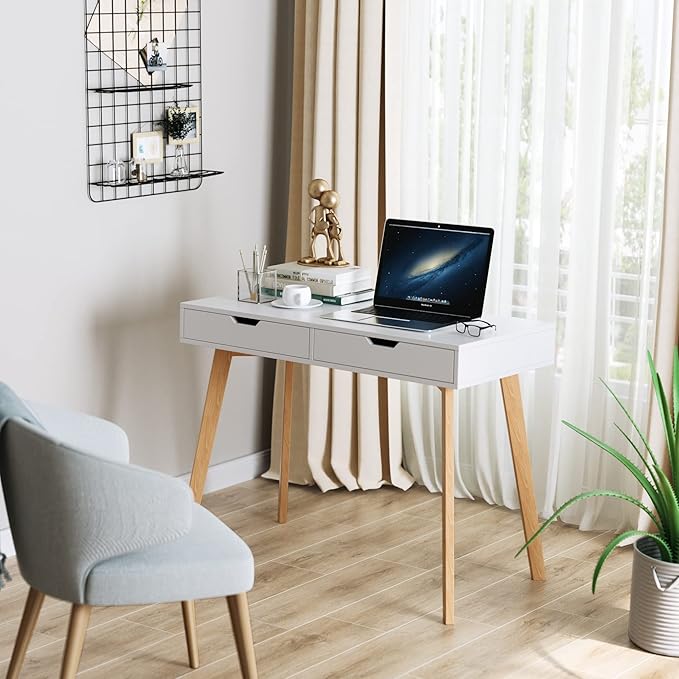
point(366, 319)
point(390, 322)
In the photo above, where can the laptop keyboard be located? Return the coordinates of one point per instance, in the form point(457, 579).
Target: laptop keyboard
point(409, 314)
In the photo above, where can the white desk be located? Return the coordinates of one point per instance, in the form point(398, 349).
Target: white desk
point(445, 359)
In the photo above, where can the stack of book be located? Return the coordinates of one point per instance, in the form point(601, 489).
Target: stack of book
point(331, 285)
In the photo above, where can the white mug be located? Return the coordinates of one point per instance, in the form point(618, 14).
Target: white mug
point(296, 295)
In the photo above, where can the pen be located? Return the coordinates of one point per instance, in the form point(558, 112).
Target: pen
point(247, 277)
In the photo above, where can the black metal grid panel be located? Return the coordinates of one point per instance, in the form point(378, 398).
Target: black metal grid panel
point(120, 101)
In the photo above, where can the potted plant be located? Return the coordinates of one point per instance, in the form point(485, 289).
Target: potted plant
point(654, 604)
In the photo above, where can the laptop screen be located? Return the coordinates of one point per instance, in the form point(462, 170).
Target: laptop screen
point(434, 267)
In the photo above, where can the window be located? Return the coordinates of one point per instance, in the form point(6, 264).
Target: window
point(537, 118)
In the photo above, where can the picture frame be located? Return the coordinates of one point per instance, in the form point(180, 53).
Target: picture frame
point(148, 147)
point(193, 136)
point(155, 56)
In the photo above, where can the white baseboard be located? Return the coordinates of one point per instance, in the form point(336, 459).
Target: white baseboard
point(231, 472)
point(219, 476)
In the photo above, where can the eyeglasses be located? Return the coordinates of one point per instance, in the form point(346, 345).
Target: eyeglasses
point(474, 328)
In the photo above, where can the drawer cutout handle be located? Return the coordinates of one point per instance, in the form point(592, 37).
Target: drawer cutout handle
point(245, 321)
point(378, 342)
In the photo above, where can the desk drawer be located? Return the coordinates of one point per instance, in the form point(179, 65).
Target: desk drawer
point(247, 334)
point(396, 358)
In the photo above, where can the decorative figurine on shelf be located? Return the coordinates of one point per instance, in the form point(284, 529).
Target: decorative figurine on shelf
point(324, 222)
point(330, 200)
point(319, 226)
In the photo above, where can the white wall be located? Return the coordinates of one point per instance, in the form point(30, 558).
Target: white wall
point(89, 293)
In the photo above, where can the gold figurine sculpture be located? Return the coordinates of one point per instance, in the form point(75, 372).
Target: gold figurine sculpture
point(324, 222)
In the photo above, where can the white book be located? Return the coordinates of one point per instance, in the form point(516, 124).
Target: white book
point(328, 288)
point(340, 300)
point(335, 275)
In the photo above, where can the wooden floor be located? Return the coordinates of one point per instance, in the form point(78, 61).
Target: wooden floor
point(350, 587)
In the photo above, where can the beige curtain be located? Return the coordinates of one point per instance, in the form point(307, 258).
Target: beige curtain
point(346, 428)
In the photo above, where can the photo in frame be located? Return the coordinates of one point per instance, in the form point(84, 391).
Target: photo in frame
point(155, 56)
point(192, 130)
point(147, 147)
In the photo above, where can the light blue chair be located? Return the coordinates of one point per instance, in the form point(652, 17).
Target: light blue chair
point(93, 530)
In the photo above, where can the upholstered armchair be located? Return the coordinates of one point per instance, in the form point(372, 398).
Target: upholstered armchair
point(93, 530)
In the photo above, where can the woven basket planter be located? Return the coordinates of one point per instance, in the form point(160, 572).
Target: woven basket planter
point(654, 605)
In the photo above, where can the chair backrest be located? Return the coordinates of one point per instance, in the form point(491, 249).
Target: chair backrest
point(69, 510)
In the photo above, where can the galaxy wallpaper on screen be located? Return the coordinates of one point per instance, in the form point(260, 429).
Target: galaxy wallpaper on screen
point(434, 266)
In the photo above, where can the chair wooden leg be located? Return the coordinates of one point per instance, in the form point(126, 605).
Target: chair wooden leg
point(26, 628)
point(77, 627)
point(285, 445)
point(240, 621)
point(189, 613)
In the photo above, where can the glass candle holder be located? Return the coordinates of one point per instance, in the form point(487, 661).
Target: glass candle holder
point(115, 172)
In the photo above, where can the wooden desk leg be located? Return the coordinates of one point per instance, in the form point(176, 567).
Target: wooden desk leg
point(518, 440)
point(221, 362)
point(285, 445)
point(448, 542)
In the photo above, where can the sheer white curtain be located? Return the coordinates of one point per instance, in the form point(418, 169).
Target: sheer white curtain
point(547, 121)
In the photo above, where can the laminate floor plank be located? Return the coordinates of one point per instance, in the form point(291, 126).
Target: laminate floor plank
point(8, 633)
point(283, 539)
point(168, 657)
point(509, 648)
point(358, 544)
point(294, 651)
point(102, 644)
point(399, 650)
point(321, 597)
point(409, 600)
point(606, 652)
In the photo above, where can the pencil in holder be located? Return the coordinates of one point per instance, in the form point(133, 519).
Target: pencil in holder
point(255, 287)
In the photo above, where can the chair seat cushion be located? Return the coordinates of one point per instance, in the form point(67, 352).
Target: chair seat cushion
point(210, 561)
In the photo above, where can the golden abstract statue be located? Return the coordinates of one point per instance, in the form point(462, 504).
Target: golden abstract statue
point(324, 222)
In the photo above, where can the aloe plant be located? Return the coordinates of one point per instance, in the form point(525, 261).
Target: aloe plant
point(661, 489)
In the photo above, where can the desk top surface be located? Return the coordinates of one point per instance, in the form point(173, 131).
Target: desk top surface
point(508, 328)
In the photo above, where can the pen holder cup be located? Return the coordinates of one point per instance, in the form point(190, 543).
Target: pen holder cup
point(257, 288)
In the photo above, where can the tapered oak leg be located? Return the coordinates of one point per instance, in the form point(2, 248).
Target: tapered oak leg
point(189, 614)
point(447, 396)
point(26, 628)
point(518, 440)
point(240, 621)
point(285, 445)
point(77, 627)
point(221, 362)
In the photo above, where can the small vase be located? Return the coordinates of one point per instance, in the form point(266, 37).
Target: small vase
point(180, 167)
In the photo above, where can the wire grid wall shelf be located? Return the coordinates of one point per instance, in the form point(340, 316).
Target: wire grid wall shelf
point(124, 98)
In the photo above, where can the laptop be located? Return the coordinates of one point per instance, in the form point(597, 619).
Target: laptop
point(430, 276)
